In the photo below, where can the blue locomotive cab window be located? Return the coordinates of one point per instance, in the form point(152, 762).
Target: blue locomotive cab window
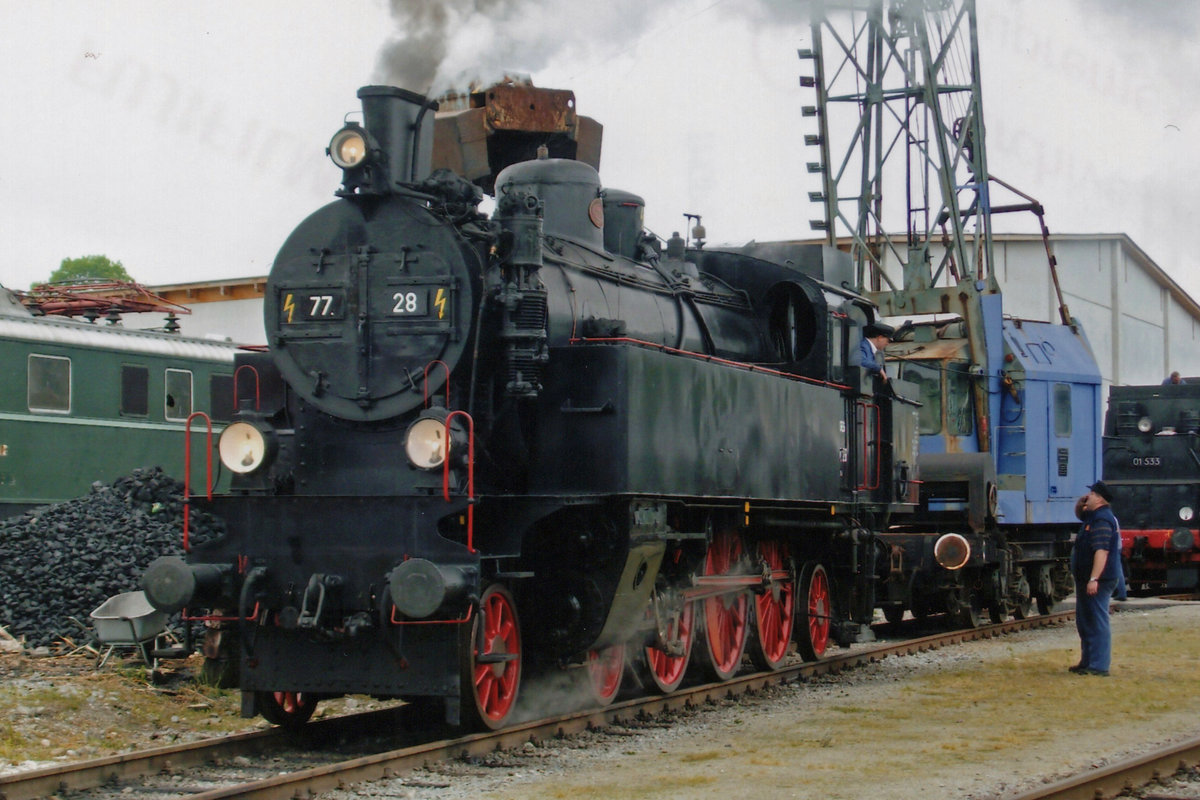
point(1062, 409)
point(49, 384)
point(928, 378)
point(135, 391)
point(178, 401)
point(960, 416)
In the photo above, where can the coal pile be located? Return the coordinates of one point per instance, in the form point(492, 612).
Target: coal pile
point(62, 561)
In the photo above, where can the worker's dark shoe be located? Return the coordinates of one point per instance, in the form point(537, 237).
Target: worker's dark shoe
point(1078, 668)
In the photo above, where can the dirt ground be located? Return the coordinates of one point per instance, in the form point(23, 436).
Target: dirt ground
point(981, 720)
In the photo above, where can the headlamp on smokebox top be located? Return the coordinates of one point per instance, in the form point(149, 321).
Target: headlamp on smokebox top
point(349, 147)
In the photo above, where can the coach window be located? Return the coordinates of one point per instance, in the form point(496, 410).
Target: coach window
point(1062, 409)
point(49, 385)
point(220, 401)
point(179, 394)
point(135, 391)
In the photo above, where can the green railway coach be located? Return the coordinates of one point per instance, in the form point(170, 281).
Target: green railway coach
point(83, 402)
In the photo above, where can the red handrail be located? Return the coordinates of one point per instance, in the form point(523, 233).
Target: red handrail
point(466, 618)
point(870, 408)
point(257, 386)
point(187, 469)
point(470, 473)
point(213, 618)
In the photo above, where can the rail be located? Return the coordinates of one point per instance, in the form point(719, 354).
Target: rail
point(1116, 779)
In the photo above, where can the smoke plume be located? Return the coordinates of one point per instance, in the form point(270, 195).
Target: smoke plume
point(444, 44)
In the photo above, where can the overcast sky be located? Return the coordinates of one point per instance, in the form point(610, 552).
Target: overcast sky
point(187, 139)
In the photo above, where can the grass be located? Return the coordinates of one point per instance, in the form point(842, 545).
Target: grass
point(91, 714)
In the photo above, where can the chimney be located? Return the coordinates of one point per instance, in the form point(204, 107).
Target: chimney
point(400, 123)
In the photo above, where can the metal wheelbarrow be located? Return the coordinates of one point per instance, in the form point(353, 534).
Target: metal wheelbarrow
point(128, 620)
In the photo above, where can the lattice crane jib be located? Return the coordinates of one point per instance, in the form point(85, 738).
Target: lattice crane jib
point(897, 85)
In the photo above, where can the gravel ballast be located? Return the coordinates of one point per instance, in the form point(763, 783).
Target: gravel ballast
point(911, 728)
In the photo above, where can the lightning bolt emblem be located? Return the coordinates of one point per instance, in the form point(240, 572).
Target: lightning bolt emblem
point(440, 301)
point(289, 306)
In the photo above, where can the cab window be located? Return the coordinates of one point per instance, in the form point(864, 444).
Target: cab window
point(960, 419)
point(928, 379)
point(1062, 409)
point(837, 338)
point(220, 402)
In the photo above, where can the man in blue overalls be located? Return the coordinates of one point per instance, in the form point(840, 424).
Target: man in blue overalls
point(875, 337)
point(1096, 565)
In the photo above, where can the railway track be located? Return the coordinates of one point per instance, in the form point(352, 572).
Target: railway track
point(174, 759)
point(387, 744)
point(1124, 776)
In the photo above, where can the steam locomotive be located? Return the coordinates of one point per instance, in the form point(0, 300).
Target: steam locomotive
point(1150, 461)
point(479, 450)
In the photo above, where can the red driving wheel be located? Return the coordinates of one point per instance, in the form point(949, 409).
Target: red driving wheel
point(726, 616)
point(664, 664)
point(605, 667)
point(774, 609)
point(814, 612)
point(286, 709)
point(491, 674)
